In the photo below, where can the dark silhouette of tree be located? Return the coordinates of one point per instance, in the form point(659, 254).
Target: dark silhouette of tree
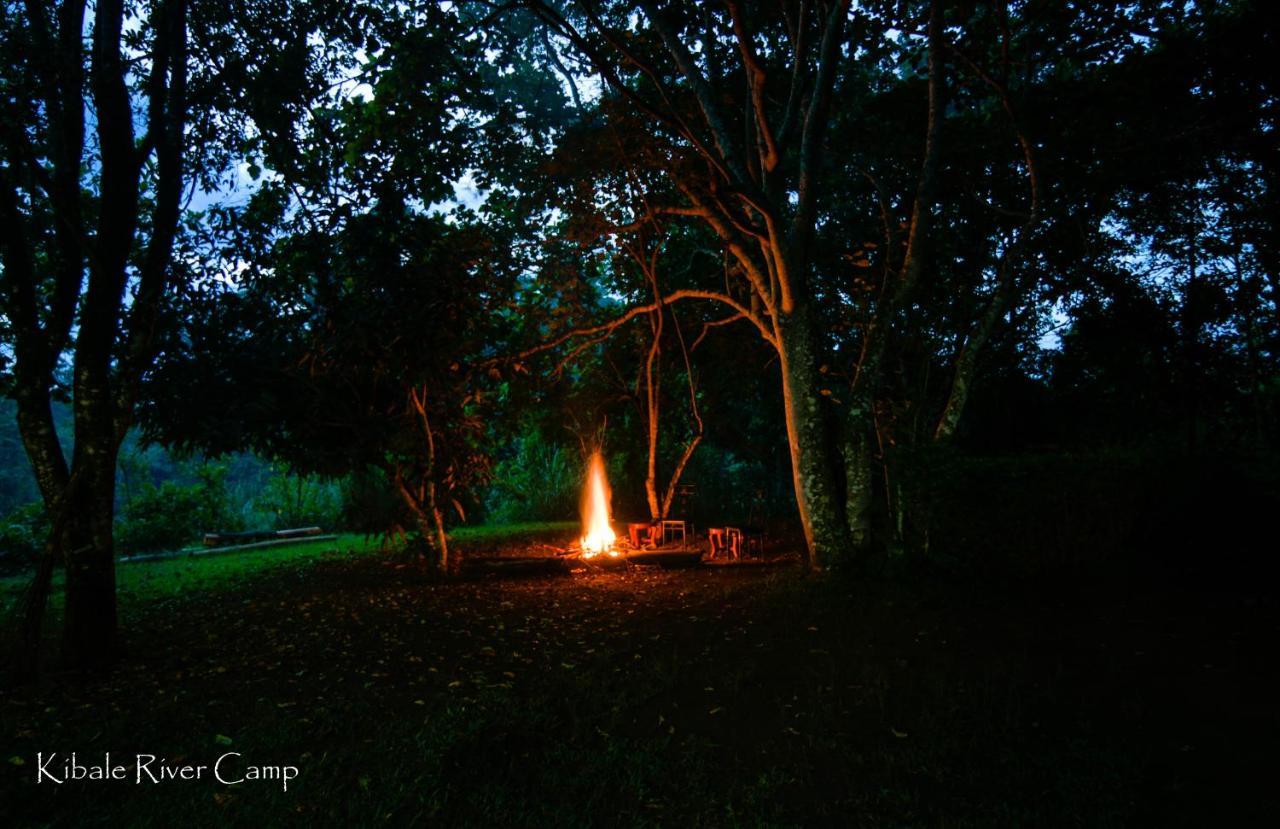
point(104, 138)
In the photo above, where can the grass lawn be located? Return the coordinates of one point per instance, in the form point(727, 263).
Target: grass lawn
point(714, 696)
point(167, 578)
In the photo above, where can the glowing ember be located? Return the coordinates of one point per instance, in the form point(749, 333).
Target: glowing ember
point(597, 536)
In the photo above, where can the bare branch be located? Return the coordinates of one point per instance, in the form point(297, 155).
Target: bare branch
point(638, 310)
point(707, 326)
point(756, 76)
point(710, 110)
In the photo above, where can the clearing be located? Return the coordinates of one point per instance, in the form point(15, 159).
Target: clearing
point(713, 696)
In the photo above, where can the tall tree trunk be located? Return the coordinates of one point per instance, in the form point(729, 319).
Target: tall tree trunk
point(859, 470)
point(79, 499)
point(652, 380)
point(90, 621)
point(859, 422)
point(812, 461)
point(44, 451)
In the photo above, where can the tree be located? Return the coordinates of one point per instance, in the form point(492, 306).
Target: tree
point(55, 233)
point(92, 208)
point(362, 328)
point(754, 183)
point(899, 190)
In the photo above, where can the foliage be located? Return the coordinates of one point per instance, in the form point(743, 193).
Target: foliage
point(292, 500)
point(1146, 511)
point(963, 209)
point(173, 515)
point(370, 504)
point(23, 532)
point(540, 481)
point(363, 331)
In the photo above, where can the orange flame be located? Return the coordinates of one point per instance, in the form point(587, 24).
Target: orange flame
point(598, 536)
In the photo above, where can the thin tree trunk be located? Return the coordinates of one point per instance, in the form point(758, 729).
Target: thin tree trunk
point(652, 379)
point(692, 445)
point(859, 422)
point(967, 358)
point(427, 517)
point(859, 471)
point(426, 506)
point(443, 561)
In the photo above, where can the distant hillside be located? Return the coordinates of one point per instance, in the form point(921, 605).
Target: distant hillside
point(137, 466)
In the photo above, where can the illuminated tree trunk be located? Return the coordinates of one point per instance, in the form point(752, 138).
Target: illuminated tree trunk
point(660, 505)
point(431, 525)
point(813, 464)
point(652, 377)
point(423, 499)
point(423, 505)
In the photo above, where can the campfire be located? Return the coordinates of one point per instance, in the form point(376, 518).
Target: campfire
point(598, 537)
point(600, 547)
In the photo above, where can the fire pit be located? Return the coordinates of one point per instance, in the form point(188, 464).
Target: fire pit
point(600, 547)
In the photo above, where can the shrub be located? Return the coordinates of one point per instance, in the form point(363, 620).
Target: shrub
point(1052, 514)
point(172, 514)
point(289, 500)
point(540, 482)
point(22, 534)
point(369, 505)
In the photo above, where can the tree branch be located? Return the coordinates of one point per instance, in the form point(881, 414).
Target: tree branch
point(638, 310)
point(756, 77)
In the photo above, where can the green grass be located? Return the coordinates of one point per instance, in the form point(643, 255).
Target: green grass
point(167, 577)
point(510, 532)
point(146, 580)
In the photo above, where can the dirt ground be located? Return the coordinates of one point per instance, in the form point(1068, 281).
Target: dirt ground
point(709, 696)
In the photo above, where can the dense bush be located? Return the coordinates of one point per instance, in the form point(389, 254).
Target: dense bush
point(369, 504)
point(1153, 513)
point(538, 482)
point(174, 514)
point(288, 500)
point(22, 533)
